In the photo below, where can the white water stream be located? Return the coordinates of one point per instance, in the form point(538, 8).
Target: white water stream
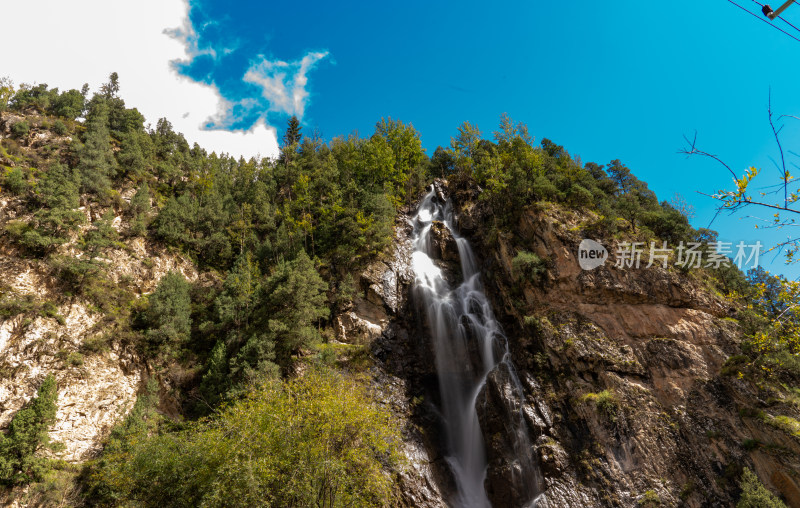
point(469, 345)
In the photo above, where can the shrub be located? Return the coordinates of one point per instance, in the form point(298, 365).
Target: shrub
point(579, 196)
point(15, 181)
point(11, 304)
point(20, 129)
point(606, 402)
point(60, 127)
point(754, 494)
point(288, 443)
point(650, 498)
point(544, 189)
point(168, 315)
point(786, 424)
point(529, 266)
point(27, 433)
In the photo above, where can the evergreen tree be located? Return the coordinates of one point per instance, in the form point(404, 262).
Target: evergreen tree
point(111, 89)
point(294, 300)
point(77, 272)
point(139, 210)
point(27, 433)
point(97, 165)
point(131, 156)
point(292, 136)
point(754, 494)
point(234, 305)
point(407, 150)
point(168, 314)
point(69, 105)
point(58, 199)
point(6, 92)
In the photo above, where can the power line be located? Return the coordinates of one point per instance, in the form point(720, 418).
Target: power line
point(764, 20)
point(779, 17)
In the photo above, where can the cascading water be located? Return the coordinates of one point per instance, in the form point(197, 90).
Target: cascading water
point(468, 345)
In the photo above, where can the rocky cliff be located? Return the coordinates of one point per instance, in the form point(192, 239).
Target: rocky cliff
point(622, 371)
point(98, 376)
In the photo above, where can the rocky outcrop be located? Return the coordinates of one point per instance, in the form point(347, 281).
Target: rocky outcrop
point(624, 402)
point(381, 318)
point(626, 363)
point(98, 378)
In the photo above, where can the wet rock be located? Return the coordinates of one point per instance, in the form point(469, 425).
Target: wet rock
point(444, 244)
point(552, 457)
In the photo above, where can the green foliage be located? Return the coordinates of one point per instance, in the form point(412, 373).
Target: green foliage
point(26, 435)
point(33, 98)
point(136, 154)
point(316, 440)
point(58, 200)
point(346, 290)
point(754, 494)
point(69, 105)
point(97, 165)
point(293, 300)
point(139, 211)
point(167, 318)
point(606, 402)
point(104, 473)
point(60, 127)
point(407, 152)
point(771, 325)
point(650, 498)
point(12, 304)
point(529, 266)
point(15, 180)
point(465, 147)
point(6, 92)
point(20, 129)
point(292, 137)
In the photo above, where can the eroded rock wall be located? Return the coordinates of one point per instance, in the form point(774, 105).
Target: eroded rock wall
point(96, 388)
point(627, 362)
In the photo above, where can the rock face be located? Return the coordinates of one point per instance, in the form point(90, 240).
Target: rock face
point(381, 318)
point(96, 385)
point(620, 369)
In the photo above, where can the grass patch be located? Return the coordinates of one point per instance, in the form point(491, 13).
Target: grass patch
point(606, 402)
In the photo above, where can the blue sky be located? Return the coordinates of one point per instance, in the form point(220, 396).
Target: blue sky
point(607, 80)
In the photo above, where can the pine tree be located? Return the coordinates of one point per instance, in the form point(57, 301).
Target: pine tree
point(234, 304)
point(27, 433)
point(139, 209)
point(292, 135)
point(294, 300)
point(754, 494)
point(57, 195)
point(111, 89)
point(168, 316)
point(97, 165)
point(291, 140)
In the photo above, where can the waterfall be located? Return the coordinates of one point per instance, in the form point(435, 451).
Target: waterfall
point(469, 345)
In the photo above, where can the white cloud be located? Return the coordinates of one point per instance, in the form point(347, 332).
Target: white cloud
point(284, 83)
point(85, 40)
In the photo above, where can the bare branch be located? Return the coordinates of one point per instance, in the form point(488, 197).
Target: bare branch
point(780, 149)
point(693, 150)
